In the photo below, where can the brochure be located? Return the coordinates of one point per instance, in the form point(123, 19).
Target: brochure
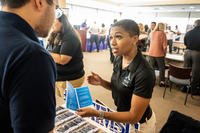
point(77, 97)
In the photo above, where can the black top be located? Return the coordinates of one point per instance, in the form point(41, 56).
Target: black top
point(70, 45)
point(192, 39)
point(27, 79)
point(136, 79)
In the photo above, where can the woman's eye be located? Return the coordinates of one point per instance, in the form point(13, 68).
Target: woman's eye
point(118, 36)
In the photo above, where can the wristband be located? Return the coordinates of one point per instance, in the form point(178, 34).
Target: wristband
point(101, 115)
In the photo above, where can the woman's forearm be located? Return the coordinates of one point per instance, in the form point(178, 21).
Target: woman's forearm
point(106, 84)
point(61, 59)
point(56, 57)
point(124, 117)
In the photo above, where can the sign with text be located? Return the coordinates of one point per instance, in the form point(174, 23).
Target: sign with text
point(113, 126)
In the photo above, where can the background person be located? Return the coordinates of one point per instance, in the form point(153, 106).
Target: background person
point(83, 25)
point(152, 27)
point(178, 33)
point(94, 31)
point(27, 71)
point(157, 51)
point(143, 37)
point(102, 35)
point(67, 53)
point(170, 35)
point(132, 80)
point(192, 55)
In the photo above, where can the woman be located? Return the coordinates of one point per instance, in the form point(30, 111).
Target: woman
point(157, 51)
point(67, 54)
point(132, 80)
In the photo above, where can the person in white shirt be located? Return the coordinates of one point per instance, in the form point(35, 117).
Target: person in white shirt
point(94, 31)
point(102, 35)
point(170, 36)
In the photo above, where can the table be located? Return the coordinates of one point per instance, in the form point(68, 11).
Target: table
point(177, 59)
point(179, 45)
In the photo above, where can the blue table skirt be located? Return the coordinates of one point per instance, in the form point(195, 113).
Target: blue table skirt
point(94, 45)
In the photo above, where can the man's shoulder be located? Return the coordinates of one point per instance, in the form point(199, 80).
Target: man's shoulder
point(17, 45)
point(190, 33)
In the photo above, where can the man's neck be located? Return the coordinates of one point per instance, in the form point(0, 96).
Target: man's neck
point(20, 12)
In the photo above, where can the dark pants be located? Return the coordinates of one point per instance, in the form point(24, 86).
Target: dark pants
point(102, 39)
point(192, 59)
point(161, 66)
point(170, 42)
point(94, 38)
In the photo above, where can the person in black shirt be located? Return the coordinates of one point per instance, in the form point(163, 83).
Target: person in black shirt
point(132, 80)
point(192, 55)
point(27, 71)
point(67, 53)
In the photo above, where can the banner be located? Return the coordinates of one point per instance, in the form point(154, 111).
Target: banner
point(113, 126)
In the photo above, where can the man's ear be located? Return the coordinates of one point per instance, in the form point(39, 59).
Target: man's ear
point(38, 4)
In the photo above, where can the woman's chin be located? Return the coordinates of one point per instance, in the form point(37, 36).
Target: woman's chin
point(115, 53)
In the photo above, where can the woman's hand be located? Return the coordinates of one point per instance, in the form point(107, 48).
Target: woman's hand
point(87, 112)
point(94, 79)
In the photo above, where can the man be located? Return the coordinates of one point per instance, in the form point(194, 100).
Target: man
point(84, 25)
point(192, 54)
point(178, 33)
point(152, 27)
point(94, 30)
point(27, 71)
point(169, 33)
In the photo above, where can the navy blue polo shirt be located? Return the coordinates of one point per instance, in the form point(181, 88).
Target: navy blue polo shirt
point(138, 78)
point(27, 79)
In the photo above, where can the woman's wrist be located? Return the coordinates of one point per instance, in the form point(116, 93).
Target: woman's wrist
point(95, 113)
point(100, 114)
point(101, 82)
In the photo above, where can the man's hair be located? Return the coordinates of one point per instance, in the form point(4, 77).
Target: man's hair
point(153, 23)
point(197, 22)
point(18, 3)
point(129, 26)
